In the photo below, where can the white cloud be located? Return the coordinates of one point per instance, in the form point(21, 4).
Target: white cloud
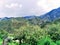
point(1, 3)
point(48, 4)
point(2, 14)
point(13, 5)
point(26, 7)
point(20, 5)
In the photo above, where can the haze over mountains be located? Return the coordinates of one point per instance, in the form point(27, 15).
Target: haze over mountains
point(52, 15)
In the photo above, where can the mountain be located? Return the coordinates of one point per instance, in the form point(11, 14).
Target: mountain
point(11, 23)
point(52, 15)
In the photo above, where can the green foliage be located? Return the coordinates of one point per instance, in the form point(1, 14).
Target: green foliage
point(29, 34)
point(31, 31)
point(46, 41)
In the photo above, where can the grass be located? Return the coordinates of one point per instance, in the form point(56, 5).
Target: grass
point(1, 41)
point(40, 42)
point(46, 39)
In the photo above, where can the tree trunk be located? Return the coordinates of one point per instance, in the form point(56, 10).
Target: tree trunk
point(20, 42)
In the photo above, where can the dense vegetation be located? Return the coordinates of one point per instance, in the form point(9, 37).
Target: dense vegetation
point(31, 31)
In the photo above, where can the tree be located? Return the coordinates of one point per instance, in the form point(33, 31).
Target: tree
point(54, 34)
point(29, 34)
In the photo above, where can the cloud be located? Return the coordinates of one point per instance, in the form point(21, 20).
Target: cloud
point(26, 7)
point(13, 5)
point(48, 4)
point(20, 5)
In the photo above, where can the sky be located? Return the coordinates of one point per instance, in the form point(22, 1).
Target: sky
point(19, 8)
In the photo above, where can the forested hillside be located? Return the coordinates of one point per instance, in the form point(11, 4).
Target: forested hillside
point(30, 31)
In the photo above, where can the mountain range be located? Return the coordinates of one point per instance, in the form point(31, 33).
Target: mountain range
point(50, 16)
